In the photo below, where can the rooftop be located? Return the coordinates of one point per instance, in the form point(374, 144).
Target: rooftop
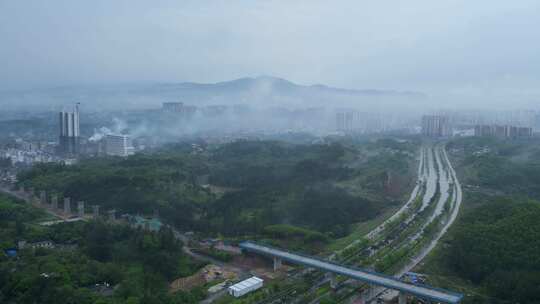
point(246, 283)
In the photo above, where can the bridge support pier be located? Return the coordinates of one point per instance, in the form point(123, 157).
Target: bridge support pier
point(80, 209)
point(402, 298)
point(277, 263)
point(67, 205)
point(333, 281)
point(43, 197)
point(54, 202)
point(365, 295)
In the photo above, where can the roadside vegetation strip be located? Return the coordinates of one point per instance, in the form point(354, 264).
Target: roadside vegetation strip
point(450, 202)
point(278, 295)
point(416, 191)
point(405, 216)
point(385, 246)
point(402, 253)
point(394, 227)
point(435, 164)
point(351, 252)
point(392, 259)
point(429, 229)
point(416, 217)
point(430, 242)
point(390, 254)
point(408, 210)
point(404, 236)
point(426, 162)
point(431, 181)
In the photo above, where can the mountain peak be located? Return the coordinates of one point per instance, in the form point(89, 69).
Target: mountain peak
point(271, 78)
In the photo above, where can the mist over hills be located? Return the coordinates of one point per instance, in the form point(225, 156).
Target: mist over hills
point(264, 91)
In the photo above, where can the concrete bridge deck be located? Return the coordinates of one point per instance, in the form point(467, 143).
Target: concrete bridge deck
point(421, 291)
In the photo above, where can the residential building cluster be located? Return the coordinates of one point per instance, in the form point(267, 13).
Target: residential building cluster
point(24, 153)
point(179, 107)
point(353, 121)
point(347, 121)
point(505, 131)
point(436, 126)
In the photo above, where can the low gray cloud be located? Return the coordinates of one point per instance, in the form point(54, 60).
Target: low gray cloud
point(484, 52)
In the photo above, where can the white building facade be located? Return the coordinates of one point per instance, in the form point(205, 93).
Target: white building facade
point(118, 145)
point(246, 286)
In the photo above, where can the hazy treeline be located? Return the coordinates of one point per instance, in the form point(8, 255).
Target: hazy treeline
point(240, 188)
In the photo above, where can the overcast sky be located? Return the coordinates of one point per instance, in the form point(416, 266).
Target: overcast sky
point(477, 48)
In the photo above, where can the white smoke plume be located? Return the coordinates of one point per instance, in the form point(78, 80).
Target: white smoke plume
point(118, 127)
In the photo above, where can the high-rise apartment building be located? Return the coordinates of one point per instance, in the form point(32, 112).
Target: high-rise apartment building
point(436, 126)
point(347, 120)
point(536, 125)
point(506, 131)
point(69, 131)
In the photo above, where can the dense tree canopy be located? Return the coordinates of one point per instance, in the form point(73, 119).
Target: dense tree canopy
point(136, 264)
point(497, 245)
point(262, 183)
point(509, 166)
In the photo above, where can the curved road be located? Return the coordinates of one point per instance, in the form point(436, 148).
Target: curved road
point(447, 180)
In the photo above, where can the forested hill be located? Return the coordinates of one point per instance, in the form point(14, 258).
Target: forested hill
point(510, 167)
point(90, 262)
point(244, 186)
point(496, 246)
point(492, 252)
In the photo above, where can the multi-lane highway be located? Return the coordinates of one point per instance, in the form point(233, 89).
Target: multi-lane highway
point(441, 201)
point(415, 228)
point(362, 275)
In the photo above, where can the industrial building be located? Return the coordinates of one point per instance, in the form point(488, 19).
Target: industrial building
point(69, 132)
point(436, 126)
point(246, 286)
point(118, 145)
